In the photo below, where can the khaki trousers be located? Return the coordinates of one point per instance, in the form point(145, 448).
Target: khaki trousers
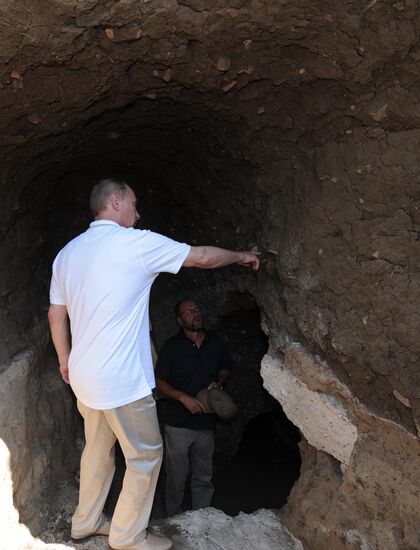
point(185, 448)
point(136, 427)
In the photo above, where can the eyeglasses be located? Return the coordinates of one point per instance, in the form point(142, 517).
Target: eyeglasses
point(190, 310)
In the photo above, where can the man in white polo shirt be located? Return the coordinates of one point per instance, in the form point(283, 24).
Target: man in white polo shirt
point(101, 282)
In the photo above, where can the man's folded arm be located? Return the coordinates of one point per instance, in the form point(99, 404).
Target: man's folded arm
point(191, 403)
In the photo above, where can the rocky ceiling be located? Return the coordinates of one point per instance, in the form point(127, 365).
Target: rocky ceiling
point(289, 125)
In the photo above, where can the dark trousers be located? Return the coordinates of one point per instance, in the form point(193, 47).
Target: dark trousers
point(186, 447)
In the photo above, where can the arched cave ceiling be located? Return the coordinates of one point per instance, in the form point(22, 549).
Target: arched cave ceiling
point(298, 74)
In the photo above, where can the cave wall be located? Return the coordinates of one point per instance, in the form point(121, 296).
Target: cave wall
point(351, 270)
point(348, 266)
point(291, 126)
point(362, 458)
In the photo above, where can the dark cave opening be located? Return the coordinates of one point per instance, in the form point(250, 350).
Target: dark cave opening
point(257, 458)
point(265, 468)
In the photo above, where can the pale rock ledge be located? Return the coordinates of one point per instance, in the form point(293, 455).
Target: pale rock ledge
point(322, 417)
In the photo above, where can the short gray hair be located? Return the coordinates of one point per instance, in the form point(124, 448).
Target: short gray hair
point(103, 190)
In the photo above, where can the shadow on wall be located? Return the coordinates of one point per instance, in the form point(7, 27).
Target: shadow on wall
point(38, 429)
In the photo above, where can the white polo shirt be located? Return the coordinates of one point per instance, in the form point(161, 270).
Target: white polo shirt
point(104, 277)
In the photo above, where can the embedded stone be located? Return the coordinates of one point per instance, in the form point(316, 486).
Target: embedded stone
point(223, 64)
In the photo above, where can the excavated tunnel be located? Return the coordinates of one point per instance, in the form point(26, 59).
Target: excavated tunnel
point(288, 127)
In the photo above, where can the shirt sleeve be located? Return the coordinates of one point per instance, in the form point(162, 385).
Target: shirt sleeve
point(56, 294)
point(162, 254)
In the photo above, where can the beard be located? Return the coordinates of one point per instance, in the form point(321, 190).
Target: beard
point(195, 326)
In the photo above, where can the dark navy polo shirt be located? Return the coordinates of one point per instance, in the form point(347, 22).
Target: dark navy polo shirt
point(190, 369)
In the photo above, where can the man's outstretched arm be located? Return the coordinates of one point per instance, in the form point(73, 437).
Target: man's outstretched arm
point(208, 257)
point(60, 332)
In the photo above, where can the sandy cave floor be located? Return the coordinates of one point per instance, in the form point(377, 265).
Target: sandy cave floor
point(208, 529)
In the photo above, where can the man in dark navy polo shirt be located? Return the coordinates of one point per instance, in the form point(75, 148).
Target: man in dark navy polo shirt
point(188, 363)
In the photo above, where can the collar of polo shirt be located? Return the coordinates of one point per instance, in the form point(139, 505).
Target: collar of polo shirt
point(98, 223)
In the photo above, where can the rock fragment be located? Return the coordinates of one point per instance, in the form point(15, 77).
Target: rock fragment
point(229, 86)
point(404, 400)
point(34, 118)
point(110, 33)
point(223, 64)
